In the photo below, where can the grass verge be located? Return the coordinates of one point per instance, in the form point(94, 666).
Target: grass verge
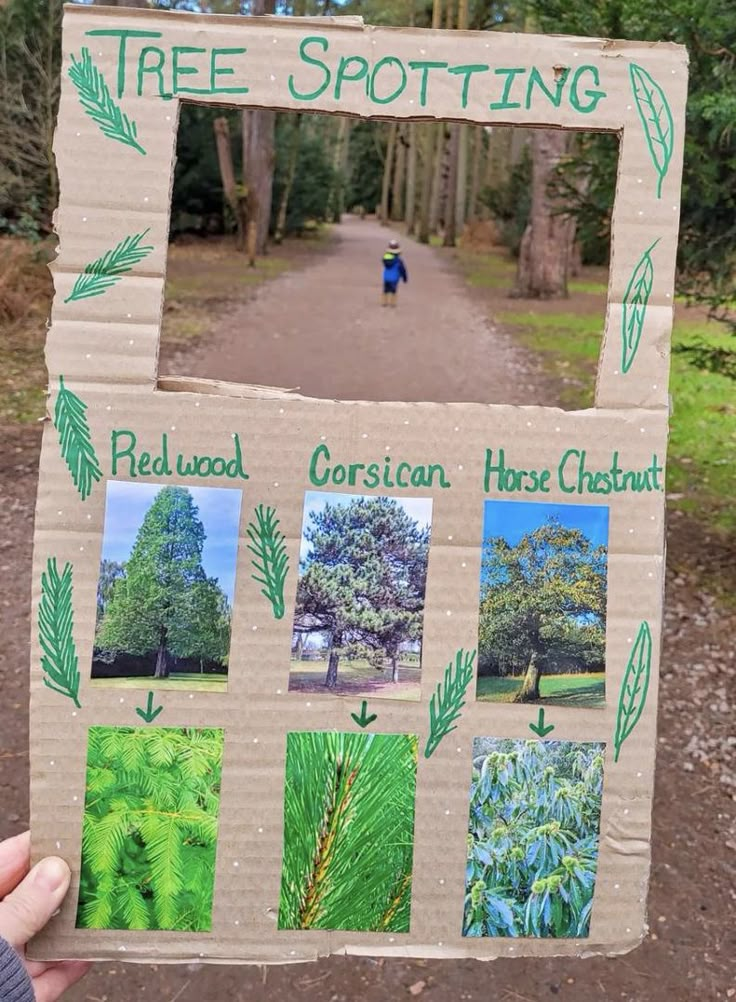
point(587, 689)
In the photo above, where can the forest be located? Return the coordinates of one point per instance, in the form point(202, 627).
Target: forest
point(261, 175)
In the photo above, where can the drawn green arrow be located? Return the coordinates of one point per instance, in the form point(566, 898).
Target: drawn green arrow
point(539, 727)
point(149, 713)
point(364, 719)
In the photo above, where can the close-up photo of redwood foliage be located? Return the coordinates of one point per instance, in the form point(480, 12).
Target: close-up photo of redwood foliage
point(535, 809)
point(149, 837)
point(348, 831)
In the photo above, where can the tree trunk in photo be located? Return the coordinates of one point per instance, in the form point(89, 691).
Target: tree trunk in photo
point(411, 180)
point(430, 141)
point(289, 184)
point(162, 657)
point(258, 151)
point(439, 161)
point(387, 172)
point(395, 668)
point(336, 200)
point(530, 686)
point(477, 134)
point(227, 175)
point(331, 679)
point(452, 185)
point(460, 189)
point(543, 256)
point(397, 191)
point(299, 647)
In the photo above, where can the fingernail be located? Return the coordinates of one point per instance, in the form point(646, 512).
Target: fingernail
point(51, 874)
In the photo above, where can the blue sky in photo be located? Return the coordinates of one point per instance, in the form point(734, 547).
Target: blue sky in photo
point(514, 519)
point(420, 509)
point(219, 511)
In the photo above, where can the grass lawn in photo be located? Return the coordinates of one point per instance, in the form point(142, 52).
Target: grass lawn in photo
point(360, 596)
point(348, 831)
point(149, 833)
point(166, 586)
point(543, 589)
point(533, 834)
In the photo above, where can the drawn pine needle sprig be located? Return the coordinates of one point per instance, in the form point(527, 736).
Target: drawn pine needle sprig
point(656, 119)
point(634, 687)
point(270, 561)
point(55, 632)
point(95, 98)
point(449, 699)
point(74, 438)
point(636, 299)
point(102, 274)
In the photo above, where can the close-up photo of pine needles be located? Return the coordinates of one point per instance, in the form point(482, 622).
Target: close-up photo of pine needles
point(348, 831)
point(149, 834)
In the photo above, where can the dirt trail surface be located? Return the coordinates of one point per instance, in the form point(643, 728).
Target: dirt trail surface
point(322, 328)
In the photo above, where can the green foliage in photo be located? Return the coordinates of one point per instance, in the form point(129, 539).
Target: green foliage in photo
point(149, 834)
point(348, 831)
point(533, 833)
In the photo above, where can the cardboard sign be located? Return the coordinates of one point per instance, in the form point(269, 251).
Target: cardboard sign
point(315, 676)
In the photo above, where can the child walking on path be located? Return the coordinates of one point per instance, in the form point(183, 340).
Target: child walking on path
point(393, 271)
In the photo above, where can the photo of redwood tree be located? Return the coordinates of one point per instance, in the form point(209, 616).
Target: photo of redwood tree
point(542, 627)
point(163, 617)
point(360, 596)
point(348, 831)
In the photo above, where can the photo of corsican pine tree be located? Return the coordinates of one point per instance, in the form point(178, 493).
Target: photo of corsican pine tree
point(149, 833)
point(360, 596)
point(533, 831)
point(165, 587)
point(543, 586)
point(348, 831)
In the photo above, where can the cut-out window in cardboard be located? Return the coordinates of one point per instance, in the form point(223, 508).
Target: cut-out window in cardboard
point(229, 544)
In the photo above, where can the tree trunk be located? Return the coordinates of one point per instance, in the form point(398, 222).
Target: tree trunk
point(289, 184)
point(529, 690)
point(460, 188)
point(299, 649)
point(258, 152)
point(336, 200)
point(162, 657)
point(227, 175)
point(430, 140)
point(475, 174)
point(452, 186)
point(387, 170)
point(411, 179)
point(331, 680)
point(543, 257)
point(395, 669)
point(439, 159)
point(397, 191)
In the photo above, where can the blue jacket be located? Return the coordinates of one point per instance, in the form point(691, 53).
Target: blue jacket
point(393, 267)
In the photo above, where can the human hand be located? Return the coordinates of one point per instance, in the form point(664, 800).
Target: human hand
point(28, 899)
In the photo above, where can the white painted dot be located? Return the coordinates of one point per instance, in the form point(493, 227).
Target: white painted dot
point(650, 574)
point(557, 428)
point(406, 422)
point(108, 408)
point(447, 812)
point(391, 939)
point(237, 921)
point(654, 386)
point(196, 403)
point(422, 52)
point(236, 864)
point(260, 831)
point(81, 549)
point(449, 613)
point(322, 438)
point(122, 699)
point(642, 430)
point(464, 564)
point(673, 72)
point(631, 531)
point(232, 434)
point(652, 518)
point(460, 466)
point(121, 949)
point(387, 448)
point(457, 429)
point(411, 100)
point(616, 886)
point(58, 845)
point(131, 342)
point(639, 774)
point(459, 751)
point(278, 692)
point(84, 219)
point(275, 483)
point(173, 427)
point(75, 799)
point(441, 880)
point(309, 704)
point(449, 537)
point(60, 512)
point(628, 107)
point(168, 118)
point(615, 372)
point(292, 953)
point(52, 762)
point(638, 180)
point(254, 628)
point(528, 424)
point(511, 949)
point(273, 77)
point(628, 930)
point(281, 410)
point(79, 133)
point(674, 208)
point(88, 355)
point(628, 640)
point(74, 713)
point(364, 435)
point(641, 212)
point(145, 198)
point(667, 295)
point(255, 741)
point(440, 943)
point(575, 54)
point(88, 517)
point(129, 315)
point(191, 695)
point(626, 810)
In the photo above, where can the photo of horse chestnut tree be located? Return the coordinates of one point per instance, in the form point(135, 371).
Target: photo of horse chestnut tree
point(360, 597)
point(533, 833)
point(542, 630)
point(165, 586)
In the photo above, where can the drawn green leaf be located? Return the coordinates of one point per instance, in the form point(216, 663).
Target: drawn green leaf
point(102, 274)
point(270, 561)
point(634, 687)
point(449, 699)
point(74, 438)
point(95, 98)
point(55, 632)
point(636, 299)
point(656, 119)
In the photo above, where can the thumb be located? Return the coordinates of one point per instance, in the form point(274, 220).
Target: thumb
point(27, 909)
